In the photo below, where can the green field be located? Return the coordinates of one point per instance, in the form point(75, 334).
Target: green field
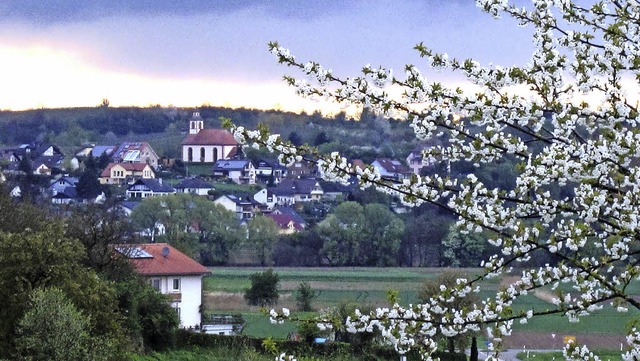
point(368, 286)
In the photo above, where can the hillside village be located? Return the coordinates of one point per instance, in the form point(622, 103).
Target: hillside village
point(129, 172)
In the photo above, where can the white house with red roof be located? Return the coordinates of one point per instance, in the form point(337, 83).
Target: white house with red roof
point(207, 145)
point(172, 273)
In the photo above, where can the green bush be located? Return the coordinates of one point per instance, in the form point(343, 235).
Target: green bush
point(264, 289)
point(304, 297)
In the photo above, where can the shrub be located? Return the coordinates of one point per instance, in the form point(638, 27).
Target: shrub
point(304, 297)
point(264, 289)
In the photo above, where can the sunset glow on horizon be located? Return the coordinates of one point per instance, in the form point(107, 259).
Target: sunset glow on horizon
point(42, 77)
point(60, 54)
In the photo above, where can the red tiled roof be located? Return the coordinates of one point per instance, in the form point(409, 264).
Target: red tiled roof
point(130, 167)
point(210, 137)
point(283, 221)
point(359, 163)
point(175, 263)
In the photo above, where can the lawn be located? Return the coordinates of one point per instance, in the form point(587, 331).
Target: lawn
point(368, 286)
point(605, 355)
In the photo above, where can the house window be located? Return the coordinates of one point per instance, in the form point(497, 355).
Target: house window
point(155, 283)
point(190, 154)
point(202, 154)
point(176, 284)
point(215, 154)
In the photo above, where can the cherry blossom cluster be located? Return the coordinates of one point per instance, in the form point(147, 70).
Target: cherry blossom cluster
point(572, 135)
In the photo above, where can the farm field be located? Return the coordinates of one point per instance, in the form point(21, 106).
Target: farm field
point(224, 290)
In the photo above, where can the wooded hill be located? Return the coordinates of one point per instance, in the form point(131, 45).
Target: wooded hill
point(365, 138)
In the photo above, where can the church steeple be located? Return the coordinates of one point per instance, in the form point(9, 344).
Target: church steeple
point(196, 123)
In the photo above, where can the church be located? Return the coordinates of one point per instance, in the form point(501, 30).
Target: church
point(207, 145)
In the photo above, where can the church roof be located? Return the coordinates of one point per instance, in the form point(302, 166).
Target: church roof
point(210, 137)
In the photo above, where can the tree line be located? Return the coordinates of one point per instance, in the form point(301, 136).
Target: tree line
point(351, 234)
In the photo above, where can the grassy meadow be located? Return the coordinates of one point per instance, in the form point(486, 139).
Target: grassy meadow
point(224, 290)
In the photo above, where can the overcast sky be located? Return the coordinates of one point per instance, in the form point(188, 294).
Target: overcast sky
point(57, 53)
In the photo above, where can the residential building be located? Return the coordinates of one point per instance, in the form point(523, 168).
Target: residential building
point(194, 185)
point(245, 208)
point(392, 169)
point(144, 188)
point(207, 145)
point(266, 197)
point(58, 185)
point(300, 170)
point(98, 150)
point(415, 159)
point(270, 171)
point(125, 173)
point(292, 213)
point(337, 191)
point(136, 152)
point(291, 191)
point(173, 273)
point(239, 171)
point(286, 223)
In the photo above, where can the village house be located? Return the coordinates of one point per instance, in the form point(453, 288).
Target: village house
point(207, 145)
point(300, 169)
point(172, 273)
point(45, 159)
point(266, 197)
point(392, 169)
point(245, 208)
point(292, 191)
point(239, 171)
point(270, 171)
point(59, 184)
point(194, 185)
point(144, 188)
point(415, 159)
point(98, 150)
point(63, 190)
point(66, 196)
point(135, 152)
point(286, 223)
point(125, 173)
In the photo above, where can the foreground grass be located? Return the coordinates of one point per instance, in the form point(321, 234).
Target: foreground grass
point(228, 354)
point(605, 355)
point(222, 354)
point(369, 286)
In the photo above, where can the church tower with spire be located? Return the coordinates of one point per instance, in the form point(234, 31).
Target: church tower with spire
point(196, 123)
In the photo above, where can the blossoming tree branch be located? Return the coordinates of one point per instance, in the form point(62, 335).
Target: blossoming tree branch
point(574, 139)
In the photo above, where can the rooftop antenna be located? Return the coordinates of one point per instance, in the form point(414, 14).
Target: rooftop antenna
point(165, 252)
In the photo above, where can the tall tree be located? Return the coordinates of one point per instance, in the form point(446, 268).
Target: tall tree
point(342, 232)
point(36, 260)
point(462, 248)
point(262, 234)
point(383, 235)
point(54, 329)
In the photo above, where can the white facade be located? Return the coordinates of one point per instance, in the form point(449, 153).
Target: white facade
point(206, 153)
point(266, 197)
point(186, 296)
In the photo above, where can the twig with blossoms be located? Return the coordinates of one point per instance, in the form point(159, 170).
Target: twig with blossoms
point(577, 173)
